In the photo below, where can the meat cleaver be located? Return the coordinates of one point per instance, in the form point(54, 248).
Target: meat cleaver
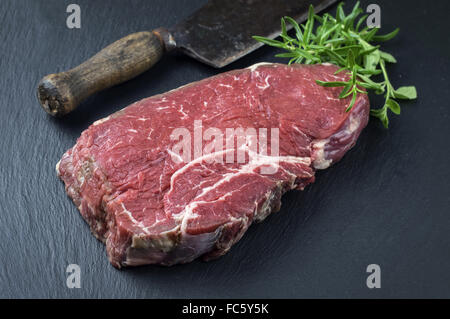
point(217, 34)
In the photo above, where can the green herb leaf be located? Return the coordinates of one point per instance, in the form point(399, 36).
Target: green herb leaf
point(298, 31)
point(386, 37)
point(346, 91)
point(406, 93)
point(352, 102)
point(283, 27)
point(287, 55)
point(271, 42)
point(350, 59)
point(340, 40)
point(370, 35)
point(360, 21)
point(340, 13)
point(393, 106)
point(331, 84)
point(387, 57)
point(371, 60)
point(309, 26)
point(381, 114)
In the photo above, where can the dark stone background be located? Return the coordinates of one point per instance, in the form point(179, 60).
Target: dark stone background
point(387, 202)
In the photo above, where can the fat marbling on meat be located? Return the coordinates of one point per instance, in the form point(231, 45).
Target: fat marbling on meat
point(149, 209)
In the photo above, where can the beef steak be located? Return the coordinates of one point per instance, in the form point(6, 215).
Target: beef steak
point(149, 209)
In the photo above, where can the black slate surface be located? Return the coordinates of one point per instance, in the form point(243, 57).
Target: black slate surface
point(387, 202)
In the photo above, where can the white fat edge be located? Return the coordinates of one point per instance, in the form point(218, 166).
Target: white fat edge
point(265, 208)
point(257, 161)
point(187, 214)
point(162, 242)
point(244, 219)
point(173, 154)
point(130, 216)
point(103, 120)
point(191, 163)
point(255, 66)
point(226, 177)
point(320, 162)
point(57, 167)
point(274, 161)
point(355, 121)
point(158, 221)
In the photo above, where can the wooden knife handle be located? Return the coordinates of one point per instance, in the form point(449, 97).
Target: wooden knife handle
point(123, 60)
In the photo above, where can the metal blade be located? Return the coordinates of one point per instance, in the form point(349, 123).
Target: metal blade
point(221, 31)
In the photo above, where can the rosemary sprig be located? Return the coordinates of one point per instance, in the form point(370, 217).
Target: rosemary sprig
point(341, 40)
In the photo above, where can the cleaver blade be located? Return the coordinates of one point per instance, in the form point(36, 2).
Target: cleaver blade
point(221, 32)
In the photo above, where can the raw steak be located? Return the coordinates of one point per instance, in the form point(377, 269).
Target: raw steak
point(149, 209)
